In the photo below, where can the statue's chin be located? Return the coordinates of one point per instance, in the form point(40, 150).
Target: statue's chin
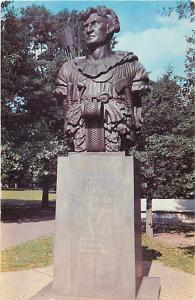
point(92, 45)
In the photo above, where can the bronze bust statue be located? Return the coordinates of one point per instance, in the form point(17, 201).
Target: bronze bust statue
point(102, 91)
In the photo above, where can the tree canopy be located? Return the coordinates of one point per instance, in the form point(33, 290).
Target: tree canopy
point(165, 145)
point(32, 119)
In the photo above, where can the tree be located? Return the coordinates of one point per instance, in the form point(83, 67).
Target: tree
point(166, 143)
point(15, 62)
point(183, 9)
point(165, 146)
point(32, 118)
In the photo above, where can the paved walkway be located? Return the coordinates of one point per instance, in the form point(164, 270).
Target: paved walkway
point(17, 233)
point(175, 285)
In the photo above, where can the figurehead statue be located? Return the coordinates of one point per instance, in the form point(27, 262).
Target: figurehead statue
point(102, 91)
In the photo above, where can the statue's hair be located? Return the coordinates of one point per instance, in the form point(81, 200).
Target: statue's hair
point(104, 12)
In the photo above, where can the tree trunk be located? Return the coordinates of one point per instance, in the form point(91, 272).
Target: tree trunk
point(149, 223)
point(45, 196)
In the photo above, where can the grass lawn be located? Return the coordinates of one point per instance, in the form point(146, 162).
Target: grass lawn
point(24, 195)
point(26, 205)
point(20, 205)
point(38, 253)
point(179, 257)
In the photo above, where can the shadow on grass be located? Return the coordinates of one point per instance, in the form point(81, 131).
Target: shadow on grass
point(170, 228)
point(188, 235)
point(148, 255)
point(190, 250)
point(26, 211)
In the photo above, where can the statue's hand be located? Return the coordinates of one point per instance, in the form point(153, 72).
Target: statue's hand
point(60, 94)
point(104, 98)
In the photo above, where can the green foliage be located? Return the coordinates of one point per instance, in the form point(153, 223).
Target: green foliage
point(183, 9)
point(165, 146)
point(32, 119)
point(166, 143)
point(190, 63)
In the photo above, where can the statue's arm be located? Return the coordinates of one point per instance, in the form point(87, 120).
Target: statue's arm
point(62, 93)
point(140, 87)
point(61, 83)
point(140, 82)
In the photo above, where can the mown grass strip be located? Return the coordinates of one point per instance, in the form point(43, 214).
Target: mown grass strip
point(172, 256)
point(26, 194)
point(33, 254)
point(39, 253)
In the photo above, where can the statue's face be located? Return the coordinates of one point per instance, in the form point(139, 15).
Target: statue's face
point(96, 30)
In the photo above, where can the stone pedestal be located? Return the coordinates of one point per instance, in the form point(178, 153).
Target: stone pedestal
point(97, 253)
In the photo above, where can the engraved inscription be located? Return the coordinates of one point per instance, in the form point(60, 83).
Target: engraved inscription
point(92, 246)
point(87, 177)
point(96, 192)
point(93, 189)
point(93, 202)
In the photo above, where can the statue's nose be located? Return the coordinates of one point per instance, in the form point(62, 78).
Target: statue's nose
point(89, 29)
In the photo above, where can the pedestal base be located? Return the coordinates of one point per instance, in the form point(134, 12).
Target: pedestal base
point(149, 290)
point(97, 253)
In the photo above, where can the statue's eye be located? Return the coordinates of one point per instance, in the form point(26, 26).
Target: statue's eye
point(94, 22)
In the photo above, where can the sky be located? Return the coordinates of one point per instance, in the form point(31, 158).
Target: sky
point(158, 41)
